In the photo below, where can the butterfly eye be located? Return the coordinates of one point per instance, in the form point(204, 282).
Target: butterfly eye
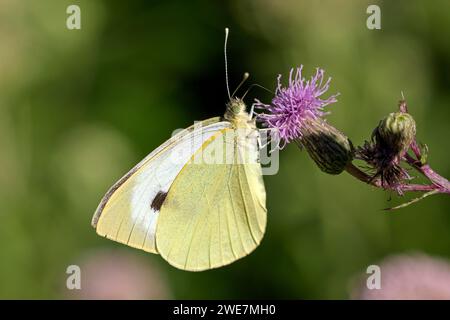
point(236, 108)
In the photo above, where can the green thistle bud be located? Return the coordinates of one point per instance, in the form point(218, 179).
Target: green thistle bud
point(330, 149)
point(397, 131)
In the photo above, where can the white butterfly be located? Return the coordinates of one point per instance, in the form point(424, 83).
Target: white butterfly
point(198, 199)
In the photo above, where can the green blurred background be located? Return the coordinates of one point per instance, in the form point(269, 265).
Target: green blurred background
point(78, 108)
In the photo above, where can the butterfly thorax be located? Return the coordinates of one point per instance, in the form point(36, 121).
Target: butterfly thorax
point(236, 113)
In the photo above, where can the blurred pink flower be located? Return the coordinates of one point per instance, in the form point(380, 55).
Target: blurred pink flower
point(116, 274)
point(409, 277)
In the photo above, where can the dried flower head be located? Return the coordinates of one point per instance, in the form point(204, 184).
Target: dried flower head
point(383, 164)
point(294, 104)
point(391, 139)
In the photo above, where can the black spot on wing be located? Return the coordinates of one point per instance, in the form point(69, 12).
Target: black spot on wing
point(158, 200)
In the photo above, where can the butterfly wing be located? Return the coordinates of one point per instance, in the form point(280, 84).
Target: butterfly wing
point(214, 213)
point(129, 211)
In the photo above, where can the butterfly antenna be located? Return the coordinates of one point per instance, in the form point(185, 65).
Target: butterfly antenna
point(256, 85)
point(226, 62)
point(244, 78)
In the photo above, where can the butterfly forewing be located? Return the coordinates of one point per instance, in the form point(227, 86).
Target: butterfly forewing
point(129, 211)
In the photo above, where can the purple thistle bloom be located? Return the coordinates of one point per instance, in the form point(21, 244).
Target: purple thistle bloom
point(292, 106)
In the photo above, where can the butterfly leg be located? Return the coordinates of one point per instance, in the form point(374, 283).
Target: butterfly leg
point(252, 111)
point(260, 143)
point(269, 138)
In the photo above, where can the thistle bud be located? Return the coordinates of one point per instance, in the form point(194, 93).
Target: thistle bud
point(330, 149)
point(396, 131)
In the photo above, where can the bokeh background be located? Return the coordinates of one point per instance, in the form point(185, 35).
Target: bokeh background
point(78, 108)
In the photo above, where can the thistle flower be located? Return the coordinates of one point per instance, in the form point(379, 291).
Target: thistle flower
point(294, 104)
point(296, 113)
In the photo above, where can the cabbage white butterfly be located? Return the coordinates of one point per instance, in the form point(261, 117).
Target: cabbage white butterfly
point(196, 213)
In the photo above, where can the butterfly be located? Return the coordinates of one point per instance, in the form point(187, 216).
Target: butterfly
point(198, 200)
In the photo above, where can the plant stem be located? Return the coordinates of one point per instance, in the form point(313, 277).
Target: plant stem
point(439, 181)
point(364, 177)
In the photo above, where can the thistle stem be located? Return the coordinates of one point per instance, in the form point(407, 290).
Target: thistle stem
point(364, 177)
point(441, 183)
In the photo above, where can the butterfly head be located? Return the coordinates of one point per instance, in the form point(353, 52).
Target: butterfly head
point(236, 113)
point(236, 106)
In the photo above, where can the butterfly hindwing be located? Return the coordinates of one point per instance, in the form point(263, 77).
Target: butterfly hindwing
point(214, 213)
